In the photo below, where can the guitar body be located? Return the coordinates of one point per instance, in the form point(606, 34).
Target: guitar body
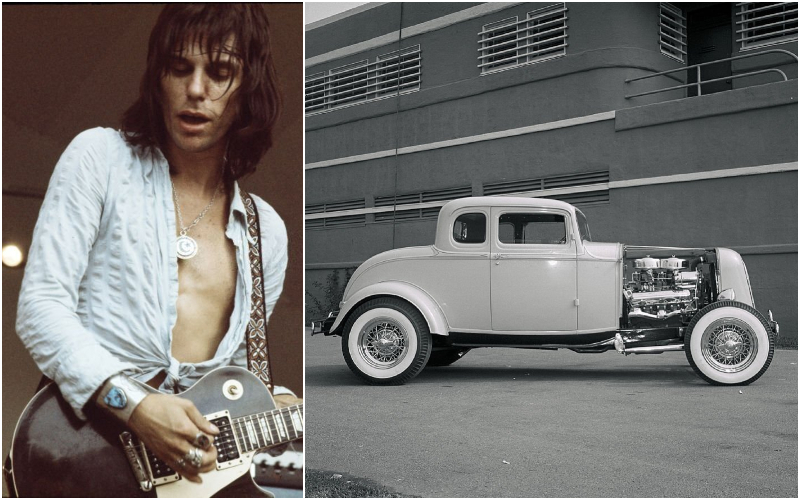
point(55, 454)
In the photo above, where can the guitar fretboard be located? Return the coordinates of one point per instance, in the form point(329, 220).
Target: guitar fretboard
point(263, 430)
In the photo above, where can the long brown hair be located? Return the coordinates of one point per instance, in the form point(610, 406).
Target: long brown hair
point(250, 135)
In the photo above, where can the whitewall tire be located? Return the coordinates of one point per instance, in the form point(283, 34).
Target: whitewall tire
point(386, 341)
point(729, 343)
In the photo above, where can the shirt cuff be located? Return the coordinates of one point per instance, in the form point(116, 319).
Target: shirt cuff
point(83, 371)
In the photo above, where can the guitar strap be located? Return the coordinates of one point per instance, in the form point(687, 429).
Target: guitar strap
point(256, 335)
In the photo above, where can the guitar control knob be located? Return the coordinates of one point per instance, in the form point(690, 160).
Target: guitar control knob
point(232, 389)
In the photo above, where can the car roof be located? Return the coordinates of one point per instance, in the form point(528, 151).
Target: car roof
point(505, 201)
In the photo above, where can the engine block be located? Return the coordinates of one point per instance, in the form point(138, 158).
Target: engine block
point(660, 289)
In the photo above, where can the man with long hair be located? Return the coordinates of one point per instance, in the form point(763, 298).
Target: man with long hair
point(140, 267)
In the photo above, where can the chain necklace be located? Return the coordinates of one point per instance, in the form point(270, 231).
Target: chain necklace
point(186, 245)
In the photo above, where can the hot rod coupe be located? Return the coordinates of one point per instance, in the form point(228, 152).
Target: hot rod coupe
point(525, 273)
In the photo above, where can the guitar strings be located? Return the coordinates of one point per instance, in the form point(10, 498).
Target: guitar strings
point(241, 420)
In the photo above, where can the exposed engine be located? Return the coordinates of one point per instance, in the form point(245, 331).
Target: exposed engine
point(662, 289)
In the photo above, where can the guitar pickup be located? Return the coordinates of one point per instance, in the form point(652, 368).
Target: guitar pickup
point(228, 454)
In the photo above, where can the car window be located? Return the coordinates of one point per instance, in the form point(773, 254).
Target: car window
point(470, 228)
point(532, 229)
point(583, 227)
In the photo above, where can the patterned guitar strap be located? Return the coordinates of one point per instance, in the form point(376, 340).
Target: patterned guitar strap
point(256, 335)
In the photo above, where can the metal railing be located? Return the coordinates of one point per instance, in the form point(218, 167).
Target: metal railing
point(700, 81)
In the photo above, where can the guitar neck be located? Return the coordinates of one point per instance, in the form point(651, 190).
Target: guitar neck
point(267, 429)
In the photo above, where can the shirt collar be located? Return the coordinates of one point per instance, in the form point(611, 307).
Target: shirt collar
point(236, 202)
point(159, 158)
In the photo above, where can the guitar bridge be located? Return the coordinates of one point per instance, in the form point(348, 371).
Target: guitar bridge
point(135, 461)
point(148, 469)
point(151, 471)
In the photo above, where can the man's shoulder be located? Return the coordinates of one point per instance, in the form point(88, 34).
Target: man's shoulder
point(99, 135)
point(269, 219)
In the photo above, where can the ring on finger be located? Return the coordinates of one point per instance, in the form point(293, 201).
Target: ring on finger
point(201, 440)
point(181, 463)
point(195, 457)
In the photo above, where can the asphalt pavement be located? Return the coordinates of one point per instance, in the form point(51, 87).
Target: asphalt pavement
point(527, 423)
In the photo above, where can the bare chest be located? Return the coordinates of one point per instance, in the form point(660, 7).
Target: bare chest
point(206, 292)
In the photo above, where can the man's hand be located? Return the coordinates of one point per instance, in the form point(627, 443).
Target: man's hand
point(284, 400)
point(169, 425)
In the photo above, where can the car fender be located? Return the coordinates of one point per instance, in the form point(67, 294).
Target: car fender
point(733, 275)
point(419, 298)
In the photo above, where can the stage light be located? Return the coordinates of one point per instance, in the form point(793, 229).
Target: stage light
point(12, 255)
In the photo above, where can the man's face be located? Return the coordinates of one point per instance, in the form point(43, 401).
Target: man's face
point(200, 101)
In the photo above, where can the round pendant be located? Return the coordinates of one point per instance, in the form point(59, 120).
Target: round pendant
point(187, 247)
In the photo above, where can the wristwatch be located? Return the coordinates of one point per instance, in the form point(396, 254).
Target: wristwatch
point(121, 395)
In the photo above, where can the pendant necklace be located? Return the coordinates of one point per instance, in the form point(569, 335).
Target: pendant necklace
point(186, 245)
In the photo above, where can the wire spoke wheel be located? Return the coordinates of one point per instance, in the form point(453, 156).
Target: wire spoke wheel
point(386, 340)
point(729, 345)
point(382, 343)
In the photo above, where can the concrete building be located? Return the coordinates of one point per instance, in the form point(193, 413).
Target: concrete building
point(409, 105)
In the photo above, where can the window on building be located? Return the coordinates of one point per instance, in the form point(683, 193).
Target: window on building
point(532, 229)
point(391, 74)
point(759, 24)
point(542, 35)
point(672, 32)
point(470, 228)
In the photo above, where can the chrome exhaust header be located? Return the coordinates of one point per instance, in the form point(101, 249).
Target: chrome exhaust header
point(619, 345)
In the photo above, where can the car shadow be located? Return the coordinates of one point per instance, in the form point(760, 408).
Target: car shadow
point(336, 375)
point(662, 375)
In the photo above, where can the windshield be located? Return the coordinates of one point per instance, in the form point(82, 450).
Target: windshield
point(583, 227)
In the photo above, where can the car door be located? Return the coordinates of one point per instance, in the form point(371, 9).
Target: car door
point(533, 271)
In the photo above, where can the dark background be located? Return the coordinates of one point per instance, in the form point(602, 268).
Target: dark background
point(68, 68)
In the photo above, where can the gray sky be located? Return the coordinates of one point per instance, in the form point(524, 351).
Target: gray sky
point(320, 10)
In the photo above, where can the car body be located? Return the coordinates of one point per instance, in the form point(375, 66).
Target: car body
point(524, 272)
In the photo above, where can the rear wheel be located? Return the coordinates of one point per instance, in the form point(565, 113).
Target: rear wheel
point(386, 341)
point(446, 357)
point(729, 343)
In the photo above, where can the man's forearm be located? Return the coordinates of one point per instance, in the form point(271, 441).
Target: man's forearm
point(120, 395)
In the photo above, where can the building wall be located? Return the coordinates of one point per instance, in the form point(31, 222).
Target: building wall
point(644, 138)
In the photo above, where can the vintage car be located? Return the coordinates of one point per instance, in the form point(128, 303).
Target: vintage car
point(525, 273)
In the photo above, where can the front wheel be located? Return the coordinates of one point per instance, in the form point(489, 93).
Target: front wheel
point(729, 343)
point(386, 341)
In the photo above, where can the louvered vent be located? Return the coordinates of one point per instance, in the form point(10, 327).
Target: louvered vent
point(766, 23)
point(508, 43)
point(391, 74)
point(571, 180)
point(424, 197)
point(557, 182)
point(672, 32)
point(335, 221)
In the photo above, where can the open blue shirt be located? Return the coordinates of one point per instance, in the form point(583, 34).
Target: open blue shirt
point(101, 282)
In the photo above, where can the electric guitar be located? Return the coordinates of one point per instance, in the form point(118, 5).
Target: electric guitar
point(54, 454)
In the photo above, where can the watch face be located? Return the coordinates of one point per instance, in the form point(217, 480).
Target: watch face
point(116, 398)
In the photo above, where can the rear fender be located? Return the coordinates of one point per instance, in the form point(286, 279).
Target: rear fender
point(419, 298)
